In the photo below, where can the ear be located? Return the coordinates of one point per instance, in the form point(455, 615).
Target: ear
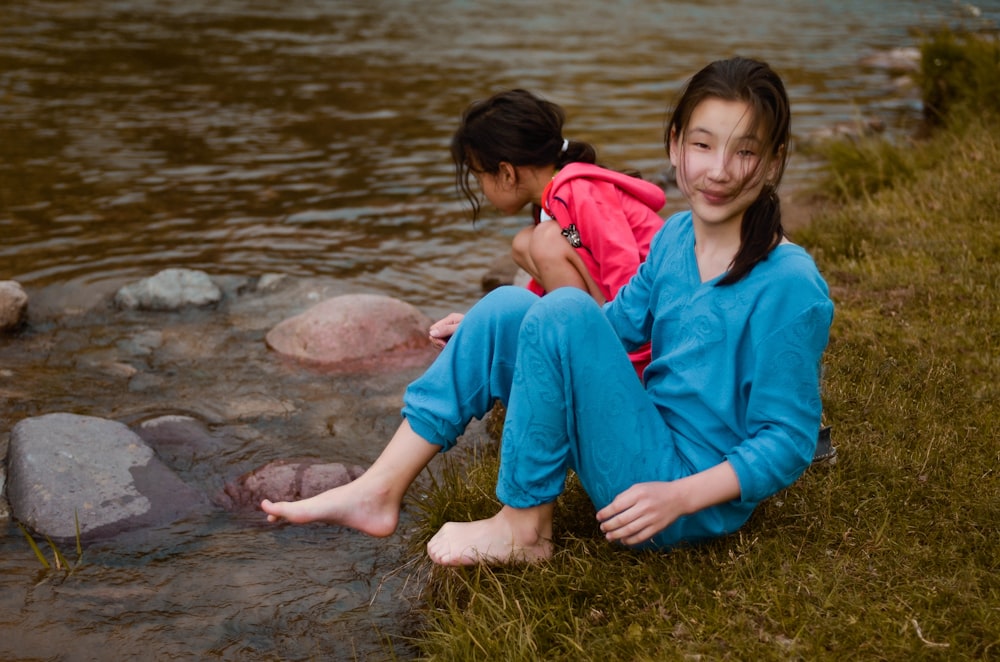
point(774, 166)
point(507, 174)
point(674, 148)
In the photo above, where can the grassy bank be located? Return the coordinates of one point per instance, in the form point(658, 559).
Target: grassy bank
point(891, 553)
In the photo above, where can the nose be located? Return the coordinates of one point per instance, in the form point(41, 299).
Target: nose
point(718, 169)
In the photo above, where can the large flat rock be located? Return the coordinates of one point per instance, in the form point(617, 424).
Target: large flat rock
point(64, 466)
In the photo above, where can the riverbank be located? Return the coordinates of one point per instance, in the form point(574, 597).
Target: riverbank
point(891, 553)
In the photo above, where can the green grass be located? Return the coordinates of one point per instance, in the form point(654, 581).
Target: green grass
point(893, 552)
point(59, 561)
point(959, 69)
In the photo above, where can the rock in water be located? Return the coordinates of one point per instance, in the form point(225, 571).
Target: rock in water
point(171, 289)
point(13, 305)
point(353, 328)
point(287, 480)
point(66, 466)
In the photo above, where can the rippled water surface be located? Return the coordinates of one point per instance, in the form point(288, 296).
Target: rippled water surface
point(308, 138)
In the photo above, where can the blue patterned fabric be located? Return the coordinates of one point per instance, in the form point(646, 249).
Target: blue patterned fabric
point(734, 376)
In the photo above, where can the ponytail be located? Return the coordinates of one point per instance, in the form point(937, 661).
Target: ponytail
point(760, 232)
point(575, 152)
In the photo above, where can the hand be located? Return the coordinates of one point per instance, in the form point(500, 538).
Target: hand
point(641, 511)
point(443, 329)
point(645, 509)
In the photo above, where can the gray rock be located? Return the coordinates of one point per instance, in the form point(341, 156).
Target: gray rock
point(13, 305)
point(64, 465)
point(171, 289)
point(180, 441)
point(286, 480)
point(354, 328)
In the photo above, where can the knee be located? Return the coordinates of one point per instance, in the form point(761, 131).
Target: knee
point(564, 306)
point(502, 304)
point(571, 297)
point(548, 244)
point(560, 320)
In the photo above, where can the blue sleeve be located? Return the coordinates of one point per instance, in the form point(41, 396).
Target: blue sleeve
point(784, 407)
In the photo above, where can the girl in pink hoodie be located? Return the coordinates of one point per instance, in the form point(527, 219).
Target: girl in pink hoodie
point(592, 226)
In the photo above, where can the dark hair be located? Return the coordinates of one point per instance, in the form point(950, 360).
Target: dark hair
point(515, 127)
point(756, 84)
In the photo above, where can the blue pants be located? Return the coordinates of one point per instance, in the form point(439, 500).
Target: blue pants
point(573, 401)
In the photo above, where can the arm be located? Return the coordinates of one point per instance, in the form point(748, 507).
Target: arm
point(784, 408)
point(645, 509)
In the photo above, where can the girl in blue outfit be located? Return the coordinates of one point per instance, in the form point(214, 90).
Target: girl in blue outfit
point(729, 409)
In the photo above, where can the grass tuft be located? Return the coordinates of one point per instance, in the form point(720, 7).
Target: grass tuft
point(59, 560)
point(960, 69)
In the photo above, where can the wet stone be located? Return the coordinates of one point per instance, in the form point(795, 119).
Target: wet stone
point(13, 305)
point(286, 480)
point(352, 328)
point(170, 289)
point(65, 466)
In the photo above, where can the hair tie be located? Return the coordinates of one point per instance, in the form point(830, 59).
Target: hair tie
point(565, 145)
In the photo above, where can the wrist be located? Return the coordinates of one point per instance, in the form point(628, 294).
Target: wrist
point(707, 488)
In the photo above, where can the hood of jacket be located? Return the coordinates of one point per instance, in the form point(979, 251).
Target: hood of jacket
point(645, 192)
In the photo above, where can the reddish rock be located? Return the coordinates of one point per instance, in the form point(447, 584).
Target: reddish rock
point(287, 480)
point(355, 329)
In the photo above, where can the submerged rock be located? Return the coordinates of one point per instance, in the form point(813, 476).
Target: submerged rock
point(286, 480)
point(13, 305)
point(171, 289)
point(63, 467)
point(180, 441)
point(355, 328)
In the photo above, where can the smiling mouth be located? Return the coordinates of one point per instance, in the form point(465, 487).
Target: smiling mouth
point(715, 197)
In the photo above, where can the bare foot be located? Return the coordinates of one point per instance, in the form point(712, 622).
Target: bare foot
point(353, 505)
point(513, 535)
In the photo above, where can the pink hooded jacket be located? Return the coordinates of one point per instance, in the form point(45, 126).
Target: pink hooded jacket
point(615, 216)
point(610, 218)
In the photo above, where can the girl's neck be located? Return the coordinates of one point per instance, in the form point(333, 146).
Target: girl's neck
point(535, 179)
point(715, 248)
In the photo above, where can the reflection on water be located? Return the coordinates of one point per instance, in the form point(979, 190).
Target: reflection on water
point(308, 138)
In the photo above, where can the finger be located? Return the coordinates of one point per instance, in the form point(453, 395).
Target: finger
point(621, 503)
point(617, 524)
point(442, 329)
point(631, 533)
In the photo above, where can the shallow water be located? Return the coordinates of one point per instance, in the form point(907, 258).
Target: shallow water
point(308, 138)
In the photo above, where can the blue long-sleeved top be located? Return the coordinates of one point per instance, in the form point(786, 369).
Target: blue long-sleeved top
point(735, 371)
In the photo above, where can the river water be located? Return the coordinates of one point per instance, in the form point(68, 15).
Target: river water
point(309, 138)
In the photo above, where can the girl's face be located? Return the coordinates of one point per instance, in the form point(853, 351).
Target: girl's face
point(717, 159)
point(502, 190)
